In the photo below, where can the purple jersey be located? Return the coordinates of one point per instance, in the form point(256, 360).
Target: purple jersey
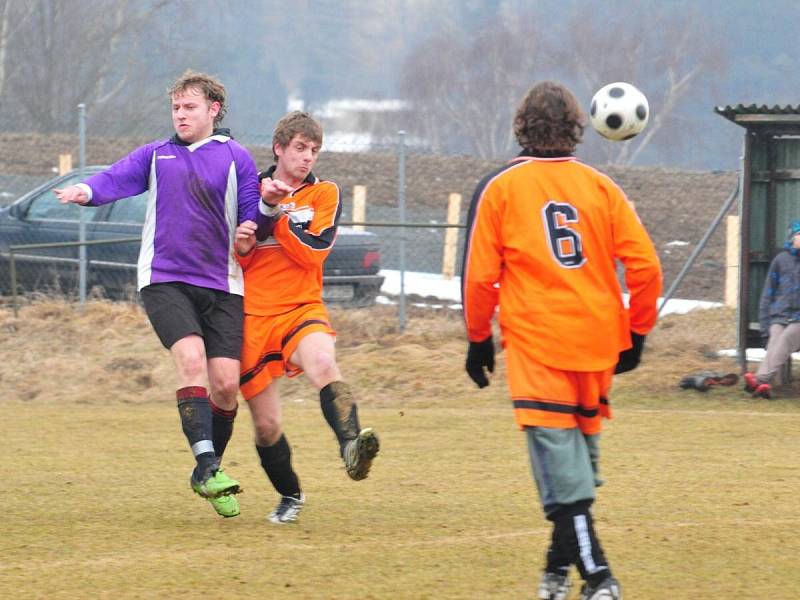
point(198, 194)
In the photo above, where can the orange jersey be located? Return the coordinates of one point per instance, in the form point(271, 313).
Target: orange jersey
point(543, 239)
point(285, 270)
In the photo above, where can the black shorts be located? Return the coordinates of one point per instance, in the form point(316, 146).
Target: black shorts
point(178, 309)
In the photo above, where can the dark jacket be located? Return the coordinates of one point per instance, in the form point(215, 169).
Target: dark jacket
point(780, 299)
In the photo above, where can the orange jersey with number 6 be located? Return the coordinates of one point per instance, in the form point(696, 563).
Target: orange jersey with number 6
point(544, 237)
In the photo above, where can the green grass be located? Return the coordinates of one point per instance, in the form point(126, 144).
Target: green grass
point(700, 502)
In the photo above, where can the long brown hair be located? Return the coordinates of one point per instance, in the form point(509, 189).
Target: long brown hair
point(549, 120)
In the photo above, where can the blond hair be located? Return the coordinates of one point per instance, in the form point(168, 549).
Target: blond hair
point(208, 85)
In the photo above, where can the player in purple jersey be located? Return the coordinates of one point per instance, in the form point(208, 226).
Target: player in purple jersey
point(201, 184)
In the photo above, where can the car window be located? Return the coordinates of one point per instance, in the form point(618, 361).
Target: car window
point(129, 210)
point(47, 206)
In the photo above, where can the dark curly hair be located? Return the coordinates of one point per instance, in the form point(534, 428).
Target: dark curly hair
point(549, 120)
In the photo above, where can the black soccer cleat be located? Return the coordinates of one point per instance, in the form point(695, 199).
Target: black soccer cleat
point(359, 453)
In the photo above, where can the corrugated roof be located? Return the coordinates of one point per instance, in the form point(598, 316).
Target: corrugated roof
point(760, 114)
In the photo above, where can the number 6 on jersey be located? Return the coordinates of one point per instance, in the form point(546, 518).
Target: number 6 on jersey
point(565, 243)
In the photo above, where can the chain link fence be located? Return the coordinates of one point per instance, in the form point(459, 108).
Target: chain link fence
point(403, 196)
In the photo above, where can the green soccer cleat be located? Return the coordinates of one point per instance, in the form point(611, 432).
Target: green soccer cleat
point(215, 485)
point(358, 454)
point(226, 506)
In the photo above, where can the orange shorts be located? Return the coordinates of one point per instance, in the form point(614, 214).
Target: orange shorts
point(548, 397)
point(270, 341)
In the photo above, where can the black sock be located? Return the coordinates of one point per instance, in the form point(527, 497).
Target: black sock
point(340, 411)
point(276, 460)
point(195, 414)
point(575, 535)
point(222, 427)
point(557, 560)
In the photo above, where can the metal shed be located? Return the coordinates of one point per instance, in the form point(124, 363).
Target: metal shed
point(770, 201)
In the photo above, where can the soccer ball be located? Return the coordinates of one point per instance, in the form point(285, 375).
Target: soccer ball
point(619, 111)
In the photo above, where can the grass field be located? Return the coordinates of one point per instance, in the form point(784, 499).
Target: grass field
point(700, 500)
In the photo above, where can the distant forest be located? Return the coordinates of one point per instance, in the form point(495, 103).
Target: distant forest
point(459, 67)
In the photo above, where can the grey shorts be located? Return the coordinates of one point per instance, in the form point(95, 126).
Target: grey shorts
point(564, 464)
point(177, 310)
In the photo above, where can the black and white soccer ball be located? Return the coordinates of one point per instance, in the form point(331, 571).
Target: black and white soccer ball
point(619, 111)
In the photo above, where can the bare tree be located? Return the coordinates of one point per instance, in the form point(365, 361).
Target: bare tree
point(55, 54)
point(463, 88)
point(464, 85)
point(683, 57)
point(19, 16)
point(5, 10)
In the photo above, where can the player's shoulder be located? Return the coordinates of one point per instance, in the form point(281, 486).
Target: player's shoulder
point(154, 145)
point(496, 174)
point(326, 186)
point(234, 146)
point(145, 153)
point(596, 173)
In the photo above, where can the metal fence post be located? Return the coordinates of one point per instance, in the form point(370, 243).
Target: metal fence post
point(82, 209)
point(12, 271)
point(700, 246)
point(401, 201)
point(741, 345)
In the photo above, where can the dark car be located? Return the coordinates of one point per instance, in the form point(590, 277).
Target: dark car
point(350, 275)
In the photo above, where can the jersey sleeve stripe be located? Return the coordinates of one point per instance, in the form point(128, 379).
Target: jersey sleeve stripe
point(477, 197)
point(325, 238)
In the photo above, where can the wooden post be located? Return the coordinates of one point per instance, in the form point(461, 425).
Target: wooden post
point(359, 206)
point(64, 163)
point(732, 235)
point(451, 236)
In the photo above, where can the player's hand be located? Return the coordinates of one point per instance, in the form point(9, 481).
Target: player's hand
point(479, 356)
point(71, 195)
point(245, 237)
point(629, 359)
point(274, 190)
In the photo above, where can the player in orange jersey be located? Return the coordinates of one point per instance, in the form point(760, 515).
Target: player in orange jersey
point(286, 325)
point(545, 233)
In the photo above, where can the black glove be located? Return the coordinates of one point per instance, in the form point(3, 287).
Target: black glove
point(629, 359)
point(480, 355)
